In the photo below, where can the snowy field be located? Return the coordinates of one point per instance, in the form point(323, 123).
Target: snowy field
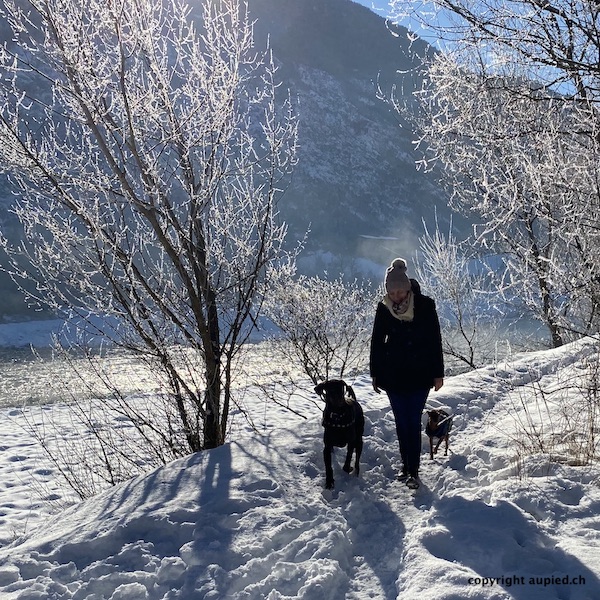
point(251, 520)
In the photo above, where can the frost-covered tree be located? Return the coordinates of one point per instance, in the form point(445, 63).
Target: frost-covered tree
point(462, 285)
point(518, 163)
point(525, 165)
point(511, 116)
point(148, 152)
point(323, 324)
point(558, 40)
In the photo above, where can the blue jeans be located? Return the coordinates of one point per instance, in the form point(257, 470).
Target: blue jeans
point(408, 408)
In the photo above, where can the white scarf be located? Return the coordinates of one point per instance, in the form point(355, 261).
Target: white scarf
point(405, 311)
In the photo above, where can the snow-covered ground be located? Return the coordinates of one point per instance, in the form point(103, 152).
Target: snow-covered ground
point(251, 520)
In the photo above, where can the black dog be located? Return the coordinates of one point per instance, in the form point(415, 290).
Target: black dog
point(344, 424)
point(439, 423)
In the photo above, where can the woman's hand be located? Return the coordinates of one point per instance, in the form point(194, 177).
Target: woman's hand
point(438, 382)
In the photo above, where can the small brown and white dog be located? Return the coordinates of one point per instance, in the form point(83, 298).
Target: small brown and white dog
point(439, 423)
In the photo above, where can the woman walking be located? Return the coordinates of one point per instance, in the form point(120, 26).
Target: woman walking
point(406, 359)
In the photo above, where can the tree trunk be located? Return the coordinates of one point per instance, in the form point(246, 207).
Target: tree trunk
point(212, 418)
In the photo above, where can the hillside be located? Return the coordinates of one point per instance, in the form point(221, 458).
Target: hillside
point(356, 174)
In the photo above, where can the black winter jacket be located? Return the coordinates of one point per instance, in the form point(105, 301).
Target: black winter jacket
point(407, 355)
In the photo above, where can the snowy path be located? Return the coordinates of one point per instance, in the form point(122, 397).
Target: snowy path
point(251, 521)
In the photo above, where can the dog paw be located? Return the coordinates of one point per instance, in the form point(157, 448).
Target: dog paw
point(347, 468)
point(329, 484)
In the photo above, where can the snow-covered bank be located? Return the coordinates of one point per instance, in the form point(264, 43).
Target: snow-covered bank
point(250, 520)
point(29, 333)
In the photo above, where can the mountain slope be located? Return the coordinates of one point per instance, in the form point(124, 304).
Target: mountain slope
point(356, 174)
